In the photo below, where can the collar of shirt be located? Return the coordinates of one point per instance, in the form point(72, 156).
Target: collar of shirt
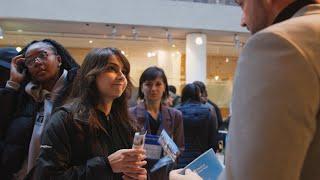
point(290, 10)
point(39, 94)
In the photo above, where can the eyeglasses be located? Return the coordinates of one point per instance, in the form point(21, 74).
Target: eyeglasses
point(42, 56)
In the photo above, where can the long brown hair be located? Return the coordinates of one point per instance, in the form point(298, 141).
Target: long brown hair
point(86, 91)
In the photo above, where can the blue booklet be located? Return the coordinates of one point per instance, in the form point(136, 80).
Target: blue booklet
point(206, 165)
point(171, 150)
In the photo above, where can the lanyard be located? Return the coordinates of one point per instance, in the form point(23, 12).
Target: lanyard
point(148, 119)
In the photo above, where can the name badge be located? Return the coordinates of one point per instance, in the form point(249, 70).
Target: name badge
point(152, 147)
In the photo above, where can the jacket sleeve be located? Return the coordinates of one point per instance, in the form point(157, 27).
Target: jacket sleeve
point(55, 154)
point(178, 134)
point(218, 114)
point(212, 130)
point(8, 99)
point(274, 109)
point(16, 144)
point(134, 118)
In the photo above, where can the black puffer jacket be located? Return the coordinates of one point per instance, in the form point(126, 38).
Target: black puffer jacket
point(70, 150)
point(200, 130)
point(17, 117)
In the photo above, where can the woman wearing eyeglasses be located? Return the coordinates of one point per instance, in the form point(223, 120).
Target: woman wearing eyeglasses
point(40, 80)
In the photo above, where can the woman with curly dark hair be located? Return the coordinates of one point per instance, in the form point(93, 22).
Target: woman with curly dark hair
point(40, 80)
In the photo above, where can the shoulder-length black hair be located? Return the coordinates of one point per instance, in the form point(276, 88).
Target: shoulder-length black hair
point(86, 91)
point(202, 86)
point(190, 92)
point(151, 74)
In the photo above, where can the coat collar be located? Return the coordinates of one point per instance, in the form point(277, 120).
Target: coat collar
point(308, 10)
point(39, 94)
point(292, 9)
point(141, 109)
point(165, 112)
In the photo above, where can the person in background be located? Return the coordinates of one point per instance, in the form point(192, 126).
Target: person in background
point(208, 102)
point(6, 54)
point(91, 137)
point(152, 116)
point(133, 97)
point(200, 126)
point(274, 130)
point(40, 80)
point(176, 99)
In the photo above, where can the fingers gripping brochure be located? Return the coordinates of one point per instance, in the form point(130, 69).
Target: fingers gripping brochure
point(171, 151)
point(207, 166)
point(138, 140)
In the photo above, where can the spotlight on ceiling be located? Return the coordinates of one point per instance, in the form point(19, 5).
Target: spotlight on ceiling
point(114, 31)
point(134, 33)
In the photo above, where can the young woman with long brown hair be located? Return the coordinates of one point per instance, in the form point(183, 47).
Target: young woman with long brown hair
point(91, 137)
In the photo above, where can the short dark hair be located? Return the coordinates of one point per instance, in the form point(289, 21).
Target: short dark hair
point(150, 74)
point(202, 87)
point(190, 92)
point(172, 89)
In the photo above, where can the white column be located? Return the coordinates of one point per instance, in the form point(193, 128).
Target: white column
point(196, 57)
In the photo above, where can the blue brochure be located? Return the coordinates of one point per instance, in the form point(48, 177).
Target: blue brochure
point(206, 165)
point(171, 150)
point(169, 147)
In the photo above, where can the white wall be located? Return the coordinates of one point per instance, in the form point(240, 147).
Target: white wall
point(162, 13)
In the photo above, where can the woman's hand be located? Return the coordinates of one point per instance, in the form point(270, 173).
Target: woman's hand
point(15, 75)
point(129, 162)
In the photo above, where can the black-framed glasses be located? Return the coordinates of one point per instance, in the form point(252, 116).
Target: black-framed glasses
point(42, 56)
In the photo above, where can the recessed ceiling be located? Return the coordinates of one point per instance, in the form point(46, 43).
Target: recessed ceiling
point(18, 32)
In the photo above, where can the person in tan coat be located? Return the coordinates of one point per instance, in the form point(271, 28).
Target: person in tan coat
point(275, 125)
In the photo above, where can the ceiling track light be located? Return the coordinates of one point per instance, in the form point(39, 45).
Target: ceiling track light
point(169, 36)
point(237, 43)
point(1, 33)
point(114, 31)
point(134, 33)
point(236, 38)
